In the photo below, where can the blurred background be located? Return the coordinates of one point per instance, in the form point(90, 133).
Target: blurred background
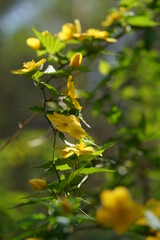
point(135, 90)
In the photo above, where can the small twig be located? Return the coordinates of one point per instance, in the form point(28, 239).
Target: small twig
point(85, 213)
point(21, 127)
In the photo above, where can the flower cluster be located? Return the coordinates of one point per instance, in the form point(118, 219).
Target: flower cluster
point(70, 31)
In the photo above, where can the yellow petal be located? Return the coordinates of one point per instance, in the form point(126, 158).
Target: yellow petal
point(76, 60)
point(68, 151)
point(69, 124)
point(111, 40)
point(77, 25)
point(38, 184)
point(71, 88)
point(33, 43)
point(75, 129)
point(86, 151)
point(29, 66)
point(76, 104)
point(95, 33)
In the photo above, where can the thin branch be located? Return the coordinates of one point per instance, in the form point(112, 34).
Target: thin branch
point(21, 127)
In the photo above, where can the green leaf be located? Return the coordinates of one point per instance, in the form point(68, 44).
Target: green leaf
point(128, 3)
point(141, 21)
point(37, 109)
point(115, 115)
point(63, 167)
point(92, 170)
point(51, 89)
point(37, 75)
point(104, 67)
point(51, 43)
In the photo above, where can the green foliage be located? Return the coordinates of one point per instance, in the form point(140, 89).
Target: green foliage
point(51, 44)
point(126, 96)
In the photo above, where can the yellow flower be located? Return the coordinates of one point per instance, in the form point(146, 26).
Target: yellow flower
point(38, 184)
point(69, 124)
point(152, 238)
point(76, 60)
point(69, 29)
point(151, 205)
point(79, 149)
point(34, 43)
point(72, 93)
point(66, 206)
point(118, 209)
point(111, 19)
point(29, 67)
point(156, 237)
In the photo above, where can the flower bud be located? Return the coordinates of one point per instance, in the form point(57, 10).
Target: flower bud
point(76, 60)
point(34, 43)
point(38, 184)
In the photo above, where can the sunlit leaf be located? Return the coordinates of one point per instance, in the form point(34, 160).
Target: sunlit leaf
point(51, 89)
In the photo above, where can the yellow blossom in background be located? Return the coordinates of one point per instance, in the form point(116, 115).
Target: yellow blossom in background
point(76, 60)
point(66, 206)
point(72, 93)
point(112, 18)
point(69, 124)
point(155, 237)
point(29, 67)
point(79, 149)
point(69, 29)
point(118, 209)
point(34, 43)
point(153, 206)
point(38, 184)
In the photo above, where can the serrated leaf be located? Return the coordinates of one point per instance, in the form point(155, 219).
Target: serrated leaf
point(141, 21)
point(92, 170)
point(51, 43)
point(51, 89)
